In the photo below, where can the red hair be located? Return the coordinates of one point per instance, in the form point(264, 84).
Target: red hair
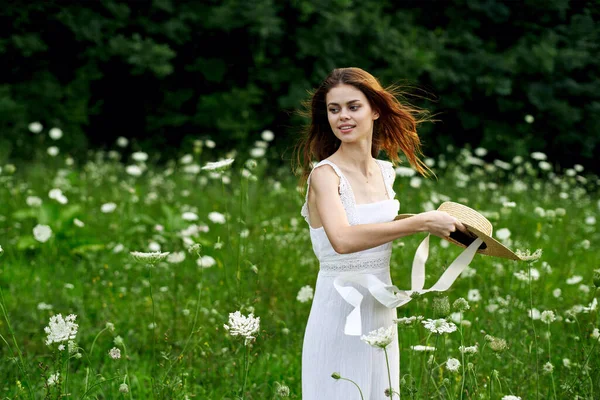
point(394, 130)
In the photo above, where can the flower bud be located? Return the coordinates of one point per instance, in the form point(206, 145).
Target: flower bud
point(461, 304)
point(441, 307)
point(597, 278)
point(336, 375)
point(10, 169)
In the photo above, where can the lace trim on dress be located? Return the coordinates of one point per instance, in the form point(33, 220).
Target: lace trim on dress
point(389, 175)
point(346, 195)
point(356, 262)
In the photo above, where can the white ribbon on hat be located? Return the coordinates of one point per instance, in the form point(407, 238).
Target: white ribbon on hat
point(389, 295)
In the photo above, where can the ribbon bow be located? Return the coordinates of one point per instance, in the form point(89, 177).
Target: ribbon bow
point(389, 295)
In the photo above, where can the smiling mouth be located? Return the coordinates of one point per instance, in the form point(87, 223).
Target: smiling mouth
point(346, 128)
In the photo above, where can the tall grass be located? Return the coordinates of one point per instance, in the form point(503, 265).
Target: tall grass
point(169, 325)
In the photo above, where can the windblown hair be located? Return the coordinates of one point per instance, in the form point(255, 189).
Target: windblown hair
point(395, 130)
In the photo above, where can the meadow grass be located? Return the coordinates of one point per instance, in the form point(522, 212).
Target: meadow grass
point(255, 255)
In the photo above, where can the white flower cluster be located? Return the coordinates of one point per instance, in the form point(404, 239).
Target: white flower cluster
point(439, 325)
point(149, 258)
point(305, 294)
point(42, 233)
point(218, 165)
point(468, 349)
point(422, 348)
point(61, 329)
point(408, 320)
point(381, 337)
point(240, 325)
point(452, 364)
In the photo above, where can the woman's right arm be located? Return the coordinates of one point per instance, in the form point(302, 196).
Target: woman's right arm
point(346, 238)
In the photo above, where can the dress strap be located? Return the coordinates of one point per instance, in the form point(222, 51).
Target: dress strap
point(344, 189)
point(389, 175)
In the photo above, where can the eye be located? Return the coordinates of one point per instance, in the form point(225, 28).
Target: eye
point(333, 110)
point(354, 108)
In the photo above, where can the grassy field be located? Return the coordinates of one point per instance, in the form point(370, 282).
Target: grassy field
point(157, 332)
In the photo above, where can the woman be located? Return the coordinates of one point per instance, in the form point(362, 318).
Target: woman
point(350, 209)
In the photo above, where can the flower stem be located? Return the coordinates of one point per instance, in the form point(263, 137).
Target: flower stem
point(358, 387)
point(537, 372)
point(153, 329)
point(246, 367)
point(200, 286)
point(21, 363)
point(549, 359)
point(387, 363)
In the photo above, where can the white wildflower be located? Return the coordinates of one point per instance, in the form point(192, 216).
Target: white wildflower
point(176, 258)
point(57, 194)
point(534, 313)
point(123, 388)
point(415, 182)
point(439, 325)
point(219, 165)
point(452, 364)
point(186, 159)
point(282, 390)
point(108, 207)
point(381, 337)
point(240, 325)
point(548, 316)
point(61, 329)
point(405, 172)
point(257, 152)
point(510, 397)
point(114, 353)
point(529, 119)
point(122, 141)
point(267, 135)
point(55, 133)
point(189, 216)
point(53, 379)
point(474, 295)
point(574, 280)
point(468, 349)
point(548, 368)
point(42, 233)
point(191, 169)
point(33, 201)
point(305, 294)
point(134, 170)
point(53, 151)
point(422, 348)
point(206, 262)
point(149, 258)
point(35, 127)
point(503, 234)
point(536, 155)
point(139, 156)
point(216, 217)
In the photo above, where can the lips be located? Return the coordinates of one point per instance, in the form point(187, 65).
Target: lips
point(346, 128)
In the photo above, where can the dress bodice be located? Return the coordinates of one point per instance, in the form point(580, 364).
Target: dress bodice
point(370, 213)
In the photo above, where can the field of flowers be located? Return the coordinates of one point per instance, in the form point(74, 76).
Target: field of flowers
point(193, 278)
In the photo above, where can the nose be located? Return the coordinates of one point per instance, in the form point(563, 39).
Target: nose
point(344, 114)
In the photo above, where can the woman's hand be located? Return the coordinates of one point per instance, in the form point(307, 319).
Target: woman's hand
point(441, 224)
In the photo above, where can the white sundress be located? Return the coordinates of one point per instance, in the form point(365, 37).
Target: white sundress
point(327, 347)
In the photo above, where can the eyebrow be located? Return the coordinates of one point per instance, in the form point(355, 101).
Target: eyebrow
point(336, 104)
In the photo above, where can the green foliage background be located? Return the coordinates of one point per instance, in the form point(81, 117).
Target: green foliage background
point(166, 72)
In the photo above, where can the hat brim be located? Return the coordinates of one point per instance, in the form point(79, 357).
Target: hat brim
point(489, 247)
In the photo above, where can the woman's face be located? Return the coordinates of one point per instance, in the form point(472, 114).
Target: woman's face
point(349, 113)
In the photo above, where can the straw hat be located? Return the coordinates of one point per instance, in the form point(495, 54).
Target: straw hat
point(478, 226)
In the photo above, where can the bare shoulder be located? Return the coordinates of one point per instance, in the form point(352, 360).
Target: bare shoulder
point(324, 179)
